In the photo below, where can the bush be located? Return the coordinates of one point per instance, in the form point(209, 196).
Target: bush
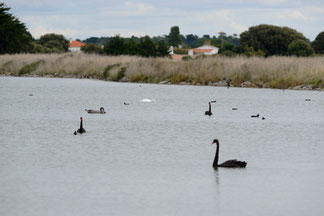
point(180, 51)
point(186, 58)
point(300, 48)
point(30, 67)
point(92, 48)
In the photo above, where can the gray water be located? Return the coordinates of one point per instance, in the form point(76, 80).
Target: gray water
point(156, 158)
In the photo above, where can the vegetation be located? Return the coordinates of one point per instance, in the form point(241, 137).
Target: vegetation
point(174, 37)
point(145, 47)
point(54, 43)
point(318, 43)
point(14, 37)
point(300, 48)
point(272, 40)
point(271, 72)
point(92, 49)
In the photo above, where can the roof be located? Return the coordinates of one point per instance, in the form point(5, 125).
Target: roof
point(203, 50)
point(76, 44)
point(207, 47)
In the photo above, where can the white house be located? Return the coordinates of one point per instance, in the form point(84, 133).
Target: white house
point(75, 46)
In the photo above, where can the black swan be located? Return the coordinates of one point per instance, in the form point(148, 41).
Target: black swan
point(126, 103)
point(101, 111)
point(81, 130)
point(209, 110)
point(255, 116)
point(227, 164)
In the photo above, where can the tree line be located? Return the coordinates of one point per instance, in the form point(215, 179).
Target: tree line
point(261, 40)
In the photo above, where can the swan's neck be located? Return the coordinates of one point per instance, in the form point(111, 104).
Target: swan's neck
point(215, 164)
point(81, 125)
point(209, 108)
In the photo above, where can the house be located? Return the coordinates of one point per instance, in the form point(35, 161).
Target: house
point(206, 49)
point(75, 46)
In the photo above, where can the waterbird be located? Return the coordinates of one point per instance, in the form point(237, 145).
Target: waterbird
point(100, 111)
point(234, 108)
point(255, 116)
point(229, 163)
point(209, 110)
point(81, 130)
point(263, 118)
point(307, 99)
point(126, 103)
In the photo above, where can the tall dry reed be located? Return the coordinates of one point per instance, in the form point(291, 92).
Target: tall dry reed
point(274, 72)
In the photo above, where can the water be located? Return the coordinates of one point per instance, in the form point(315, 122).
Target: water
point(155, 158)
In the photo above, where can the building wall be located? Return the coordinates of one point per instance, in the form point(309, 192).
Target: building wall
point(75, 49)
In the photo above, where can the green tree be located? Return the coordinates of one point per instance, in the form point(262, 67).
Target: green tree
point(132, 47)
point(300, 48)
point(54, 43)
point(147, 47)
point(14, 37)
point(162, 49)
point(174, 37)
point(272, 40)
point(115, 46)
point(92, 48)
point(318, 43)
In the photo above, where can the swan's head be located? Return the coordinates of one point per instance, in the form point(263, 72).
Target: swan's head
point(81, 119)
point(215, 141)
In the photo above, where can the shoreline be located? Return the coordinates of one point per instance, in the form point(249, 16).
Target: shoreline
point(218, 84)
point(279, 72)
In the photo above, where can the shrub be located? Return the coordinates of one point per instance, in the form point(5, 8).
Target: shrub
point(30, 67)
point(180, 51)
point(300, 48)
point(186, 58)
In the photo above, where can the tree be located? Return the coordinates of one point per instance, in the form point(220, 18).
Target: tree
point(162, 49)
point(132, 47)
point(54, 42)
point(300, 48)
point(91, 48)
point(272, 40)
point(115, 46)
point(147, 47)
point(14, 37)
point(174, 37)
point(318, 43)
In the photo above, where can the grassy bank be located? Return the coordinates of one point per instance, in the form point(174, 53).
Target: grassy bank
point(273, 72)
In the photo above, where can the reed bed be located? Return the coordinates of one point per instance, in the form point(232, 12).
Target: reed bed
point(272, 72)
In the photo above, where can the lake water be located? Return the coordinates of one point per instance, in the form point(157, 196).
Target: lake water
point(156, 158)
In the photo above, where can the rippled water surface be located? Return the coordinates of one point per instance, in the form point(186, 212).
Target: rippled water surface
point(155, 158)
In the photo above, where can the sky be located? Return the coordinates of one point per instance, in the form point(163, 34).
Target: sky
point(81, 19)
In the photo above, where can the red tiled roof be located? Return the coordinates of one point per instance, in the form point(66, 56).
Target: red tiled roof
point(76, 44)
point(202, 50)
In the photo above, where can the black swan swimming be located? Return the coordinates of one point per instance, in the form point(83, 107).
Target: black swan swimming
point(81, 130)
point(209, 110)
point(126, 103)
point(227, 164)
point(255, 116)
point(101, 111)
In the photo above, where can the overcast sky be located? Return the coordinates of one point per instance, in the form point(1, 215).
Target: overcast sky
point(85, 18)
